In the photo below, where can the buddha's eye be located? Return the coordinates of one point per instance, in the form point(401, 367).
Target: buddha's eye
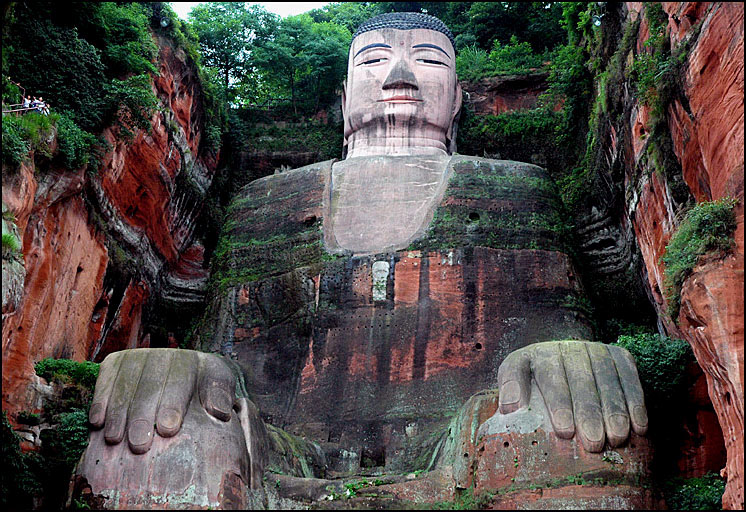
point(372, 61)
point(430, 61)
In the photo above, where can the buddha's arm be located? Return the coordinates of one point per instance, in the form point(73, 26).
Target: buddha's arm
point(589, 388)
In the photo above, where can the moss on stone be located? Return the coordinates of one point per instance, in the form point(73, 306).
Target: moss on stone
point(707, 227)
point(501, 205)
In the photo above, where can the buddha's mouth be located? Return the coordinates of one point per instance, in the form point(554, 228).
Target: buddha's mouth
point(400, 99)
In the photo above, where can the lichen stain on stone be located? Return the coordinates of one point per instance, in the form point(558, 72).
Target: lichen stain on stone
point(232, 492)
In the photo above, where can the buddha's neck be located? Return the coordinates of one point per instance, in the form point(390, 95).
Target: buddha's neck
point(360, 145)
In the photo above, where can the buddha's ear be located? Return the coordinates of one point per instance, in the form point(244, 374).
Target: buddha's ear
point(456, 103)
point(451, 135)
point(344, 115)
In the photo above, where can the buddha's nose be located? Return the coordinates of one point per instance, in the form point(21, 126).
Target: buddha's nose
point(400, 77)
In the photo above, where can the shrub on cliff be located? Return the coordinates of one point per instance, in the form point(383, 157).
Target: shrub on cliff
point(15, 145)
point(53, 62)
point(516, 57)
point(64, 444)
point(661, 364)
point(84, 373)
point(131, 103)
point(703, 493)
point(73, 144)
point(707, 227)
point(66, 411)
point(19, 482)
point(23, 134)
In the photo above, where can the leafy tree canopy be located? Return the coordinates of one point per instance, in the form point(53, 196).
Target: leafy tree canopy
point(228, 33)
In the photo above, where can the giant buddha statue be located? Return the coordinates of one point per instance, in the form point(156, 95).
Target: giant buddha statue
point(360, 304)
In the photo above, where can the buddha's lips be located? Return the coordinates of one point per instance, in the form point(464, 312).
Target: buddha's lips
point(401, 98)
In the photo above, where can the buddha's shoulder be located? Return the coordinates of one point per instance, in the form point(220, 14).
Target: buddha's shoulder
point(308, 176)
point(470, 164)
point(274, 225)
point(504, 180)
point(296, 189)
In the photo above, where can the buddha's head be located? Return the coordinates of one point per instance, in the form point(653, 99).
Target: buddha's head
point(401, 96)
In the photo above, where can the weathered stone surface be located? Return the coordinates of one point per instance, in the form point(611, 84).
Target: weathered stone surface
point(519, 452)
point(65, 265)
point(124, 331)
point(712, 321)
point(497, 95)
point(206, 466)
point(375, 368)
point(705, 123)
point(478, 465)
point(703, 448)
point(149, 193)
point(186, 282)
point(707, 132)
point(14, 271)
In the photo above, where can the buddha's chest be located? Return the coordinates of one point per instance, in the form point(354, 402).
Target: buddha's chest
point(381, 204)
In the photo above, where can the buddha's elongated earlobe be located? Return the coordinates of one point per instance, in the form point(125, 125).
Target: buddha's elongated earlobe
point(344, 119)
point(453, 128)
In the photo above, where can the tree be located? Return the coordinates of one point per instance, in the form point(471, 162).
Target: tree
point(228, 32)
point(283, 56)
point(53, 62)
point(327, 58)
point(347, 14)
point(537, 23)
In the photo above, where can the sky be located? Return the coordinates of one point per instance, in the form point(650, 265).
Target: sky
point(282, 8)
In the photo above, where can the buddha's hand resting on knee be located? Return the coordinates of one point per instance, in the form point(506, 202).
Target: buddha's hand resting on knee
point(591, 389)
point(143, 391)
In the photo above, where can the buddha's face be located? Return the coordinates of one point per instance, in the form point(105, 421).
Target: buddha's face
point(401, 91)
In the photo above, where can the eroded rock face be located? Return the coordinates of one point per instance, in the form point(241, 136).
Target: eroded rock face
point(147, 194)
point(65, 262)
point(705, 123)
point(498, 95)
point(707, 133)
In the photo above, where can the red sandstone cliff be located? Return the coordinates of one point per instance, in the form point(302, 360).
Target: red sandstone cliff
point(146, 195)
point(707, 131)
point(497, 95)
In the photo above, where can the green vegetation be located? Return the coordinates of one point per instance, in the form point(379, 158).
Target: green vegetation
point(22, 134)
point(351, 488)
point(11, 245)
point(45, 475)
point(707, 228)
point(67, 371)
point(135, 101)
point(65, 444)
point(93, 64)
point(655, 75)
point(74, 144)
point(90, 63)
point(28, 418)
point(703, 493)
point(226, 31)
point(516, 57)
point(661, 364)
point(492, 133)
point(15, 142)
point(71, 57)
point(256, 56)
point(325, 140)
point(465, 500)
point(652, 66)
point(20, 470)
